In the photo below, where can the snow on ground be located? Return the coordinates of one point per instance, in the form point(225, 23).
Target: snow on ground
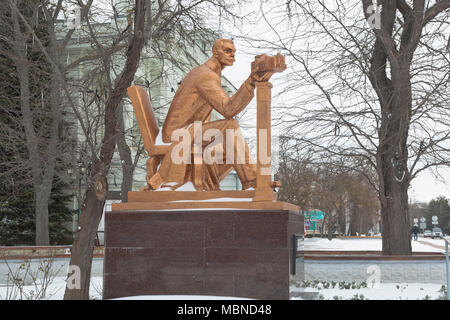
point(54, 291)
point(386, 291)
point(371, 244)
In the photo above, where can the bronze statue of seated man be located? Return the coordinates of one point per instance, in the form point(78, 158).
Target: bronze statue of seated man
point(188, 120)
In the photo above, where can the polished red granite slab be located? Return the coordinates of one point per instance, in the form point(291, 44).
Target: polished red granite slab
point(239, 253)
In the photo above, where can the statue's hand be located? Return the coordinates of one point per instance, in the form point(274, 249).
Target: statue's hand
point(260, 76)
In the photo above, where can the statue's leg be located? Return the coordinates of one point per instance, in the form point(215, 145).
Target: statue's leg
point(175, 173)
point(211, 173)
point(241, 159)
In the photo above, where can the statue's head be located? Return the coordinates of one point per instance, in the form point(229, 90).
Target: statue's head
point(223, 50)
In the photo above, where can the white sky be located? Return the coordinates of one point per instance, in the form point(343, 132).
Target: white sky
point(425, 187)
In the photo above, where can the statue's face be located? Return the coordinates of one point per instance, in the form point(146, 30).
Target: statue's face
point(225, 54)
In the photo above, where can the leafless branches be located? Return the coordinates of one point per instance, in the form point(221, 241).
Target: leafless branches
point(340, 191)
point(368, 83)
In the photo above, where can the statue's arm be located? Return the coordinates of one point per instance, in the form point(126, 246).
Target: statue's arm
point(213, 93)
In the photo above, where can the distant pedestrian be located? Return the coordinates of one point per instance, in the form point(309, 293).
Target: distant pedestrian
point(415, 231)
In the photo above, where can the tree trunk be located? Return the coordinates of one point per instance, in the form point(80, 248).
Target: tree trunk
point(42, 162)
point(330, 225)
point(395, 221)
point(41, 203)
point(42, 197)
point(82, 251)
point(125, 157)
point(392, 160)
point(83, 246)
point(360, 224)
point(43, 192)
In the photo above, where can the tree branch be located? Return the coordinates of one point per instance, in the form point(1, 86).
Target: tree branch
point(437, 8)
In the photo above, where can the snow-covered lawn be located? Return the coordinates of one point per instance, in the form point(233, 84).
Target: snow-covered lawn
point(55, 290)
point(385, 291)
point(371, 244)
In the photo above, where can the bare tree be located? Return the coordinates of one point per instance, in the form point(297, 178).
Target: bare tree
point(369, 83)
point(296, 174)
point(328, 185)
point(42, 169)
point(26, 25)
point(162, 26)
point(92, 209)
point(364, 206)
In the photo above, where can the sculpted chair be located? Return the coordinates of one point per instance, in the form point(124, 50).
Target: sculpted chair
point(150, 131)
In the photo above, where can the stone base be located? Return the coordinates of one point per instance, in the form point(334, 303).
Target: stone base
point(230, 252)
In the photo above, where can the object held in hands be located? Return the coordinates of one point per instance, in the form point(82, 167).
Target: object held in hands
point(264, 63)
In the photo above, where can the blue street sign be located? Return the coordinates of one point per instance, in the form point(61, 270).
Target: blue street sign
point(314, 215)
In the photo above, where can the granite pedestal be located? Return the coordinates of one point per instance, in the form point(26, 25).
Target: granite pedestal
point(230, 252)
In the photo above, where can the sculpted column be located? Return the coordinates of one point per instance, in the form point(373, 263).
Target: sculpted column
point(264, 191)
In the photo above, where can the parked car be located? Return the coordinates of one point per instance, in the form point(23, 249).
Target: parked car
point(427, 234)
point(436, 233)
